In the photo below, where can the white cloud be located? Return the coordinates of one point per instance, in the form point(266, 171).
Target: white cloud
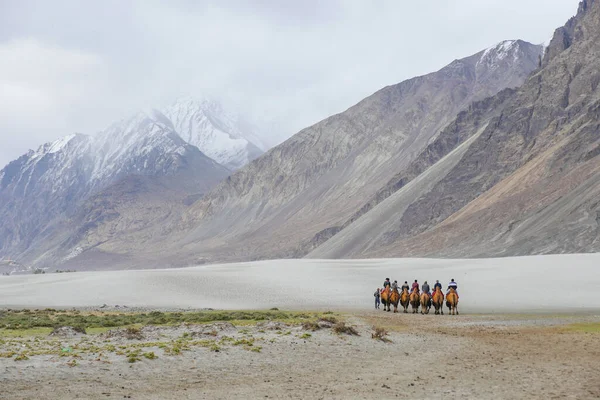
point(78, 66)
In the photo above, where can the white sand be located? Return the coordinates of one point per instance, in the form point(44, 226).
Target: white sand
point(523, 284)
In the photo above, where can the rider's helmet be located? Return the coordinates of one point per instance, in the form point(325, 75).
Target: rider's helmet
point(451, 280)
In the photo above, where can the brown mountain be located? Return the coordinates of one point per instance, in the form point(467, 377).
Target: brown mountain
point(517, 174)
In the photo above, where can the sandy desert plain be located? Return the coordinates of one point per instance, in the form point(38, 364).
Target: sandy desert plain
point(529, 327)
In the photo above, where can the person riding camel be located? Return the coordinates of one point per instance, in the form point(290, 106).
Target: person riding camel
point(395, 285)
point(386, 283)
point(437, 285)
point(415, 286)
point(405, 286)
point(452, 285)
point(425, 288)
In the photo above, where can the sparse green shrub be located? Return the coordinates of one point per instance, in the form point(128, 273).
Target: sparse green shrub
point(150, 355)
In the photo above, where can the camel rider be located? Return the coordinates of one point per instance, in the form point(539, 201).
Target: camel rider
point(405, 286)
point(395, 285)
point(437, 285)
point(415, 286)
point(452, 285)
point(386, 283)
point(425, 288)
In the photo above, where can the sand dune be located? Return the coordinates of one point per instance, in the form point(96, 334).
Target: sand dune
point(521, 284)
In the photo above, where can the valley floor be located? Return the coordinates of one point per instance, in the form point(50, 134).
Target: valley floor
point(423, 356)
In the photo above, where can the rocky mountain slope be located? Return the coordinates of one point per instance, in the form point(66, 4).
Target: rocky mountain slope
point(221, 135)
point(299, 193)
point(44, 187)
point(521, 174)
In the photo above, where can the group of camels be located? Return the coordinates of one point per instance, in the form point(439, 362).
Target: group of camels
point(391, 297)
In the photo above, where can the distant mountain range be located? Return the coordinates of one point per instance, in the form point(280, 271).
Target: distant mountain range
point(495, 154)
point(41, 190)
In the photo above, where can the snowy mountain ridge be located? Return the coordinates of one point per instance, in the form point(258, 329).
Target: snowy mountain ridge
point(219, 134)
point(47, 185)
point(493, 56)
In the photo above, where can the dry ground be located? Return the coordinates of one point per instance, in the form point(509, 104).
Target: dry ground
point(465, 356)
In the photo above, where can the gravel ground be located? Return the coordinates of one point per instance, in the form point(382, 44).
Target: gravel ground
point(465, 356)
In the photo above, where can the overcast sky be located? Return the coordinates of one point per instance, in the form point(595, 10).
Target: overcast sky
point(77, 66)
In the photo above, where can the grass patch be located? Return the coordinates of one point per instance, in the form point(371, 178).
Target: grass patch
point(95, 322)
point(29, 332)
point(590, 327)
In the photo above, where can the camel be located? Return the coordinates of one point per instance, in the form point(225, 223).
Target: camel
point(425, 303)
point(415, 301)
point(438, 301)
point(385, 295)
point(452, 302)
point(394, 298)
point(405, 299)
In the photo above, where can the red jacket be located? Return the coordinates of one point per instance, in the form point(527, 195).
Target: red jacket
point(415, 285)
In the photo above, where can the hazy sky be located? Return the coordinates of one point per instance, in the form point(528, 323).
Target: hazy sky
point(77, 66)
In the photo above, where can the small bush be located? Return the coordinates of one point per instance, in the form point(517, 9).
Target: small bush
point(150, 355)
point(305, 336)
point(310, 326)
point(380, 334)
point(341, 327)
point(38, 271)
point(21, 357)
point(333, 320)
point(133, 333)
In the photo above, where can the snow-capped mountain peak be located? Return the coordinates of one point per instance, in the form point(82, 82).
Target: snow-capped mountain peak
point(493, 55)
point(218, 133)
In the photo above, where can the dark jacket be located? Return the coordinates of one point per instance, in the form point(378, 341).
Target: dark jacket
point(425, 287)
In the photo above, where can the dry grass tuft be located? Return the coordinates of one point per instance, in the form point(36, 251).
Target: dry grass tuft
point(380, 334)
point(341, 327)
